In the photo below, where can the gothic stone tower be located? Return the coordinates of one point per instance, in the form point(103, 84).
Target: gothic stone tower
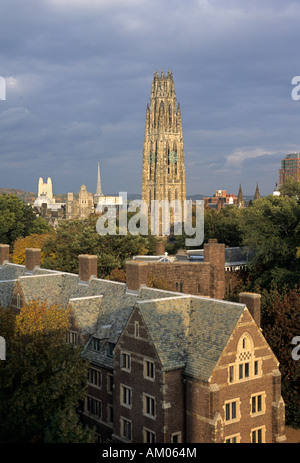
point(163, 176)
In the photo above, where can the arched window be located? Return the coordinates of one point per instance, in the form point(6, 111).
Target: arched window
point(246, 366)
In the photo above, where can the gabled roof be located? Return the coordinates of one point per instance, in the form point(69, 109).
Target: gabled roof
point(211, 325)
point(190, 332)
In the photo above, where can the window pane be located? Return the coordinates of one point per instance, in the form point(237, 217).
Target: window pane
point(259, 403)
point(233, 410)
point(246, 370)
point(253, 405)
point(227, 412)
point(259, 436)
point(240, 371)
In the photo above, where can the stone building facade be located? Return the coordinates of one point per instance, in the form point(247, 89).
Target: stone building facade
point(163, 174)
point(164, 366)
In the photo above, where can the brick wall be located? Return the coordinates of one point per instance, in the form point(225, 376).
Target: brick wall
point(200, 278)
point(242, 390)
point(165, 387)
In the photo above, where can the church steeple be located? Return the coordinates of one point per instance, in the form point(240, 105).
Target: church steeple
point(240, 197)
point(257, 193)
point(98, 188)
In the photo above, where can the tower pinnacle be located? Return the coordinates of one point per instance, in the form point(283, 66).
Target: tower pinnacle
point(98, 188)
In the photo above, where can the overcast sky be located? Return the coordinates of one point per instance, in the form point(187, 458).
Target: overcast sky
point(78, 77)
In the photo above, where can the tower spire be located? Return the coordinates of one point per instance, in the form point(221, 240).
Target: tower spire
point(240, 197)
point(257, 193)
point(98, 188)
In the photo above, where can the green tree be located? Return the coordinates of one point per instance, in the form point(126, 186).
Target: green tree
point(291, 188)
point(281, 323)
point(224, 225)
point(271, 226)
point(76, 237)
point(43, 379)
point(18, 220)
point(65, 427)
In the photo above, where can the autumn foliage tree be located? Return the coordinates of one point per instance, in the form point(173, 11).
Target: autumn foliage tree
point(31, 241)
point(43, 379)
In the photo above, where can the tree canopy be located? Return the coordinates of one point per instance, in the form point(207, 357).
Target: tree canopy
point(43, 379)
point(76, 237)
point(271, 226)
point(18, 220)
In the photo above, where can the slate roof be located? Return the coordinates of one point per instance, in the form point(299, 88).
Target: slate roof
point(9, 273)
point(188, 332)
point(211, 325)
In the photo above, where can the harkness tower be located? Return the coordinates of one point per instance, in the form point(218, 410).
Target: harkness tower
point(163, 176)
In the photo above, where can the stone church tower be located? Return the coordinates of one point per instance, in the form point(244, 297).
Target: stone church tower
point(163, 176)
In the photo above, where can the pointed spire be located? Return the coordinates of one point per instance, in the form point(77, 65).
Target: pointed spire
point(257, 193)
point(98, 189)
point(240, 196)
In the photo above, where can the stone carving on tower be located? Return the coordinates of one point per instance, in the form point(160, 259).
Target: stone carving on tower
point(163, 175)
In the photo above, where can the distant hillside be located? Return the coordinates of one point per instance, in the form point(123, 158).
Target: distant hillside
point(26, 196)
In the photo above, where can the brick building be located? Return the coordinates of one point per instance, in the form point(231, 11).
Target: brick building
point(164, 366)
point(205, 278)
point(290, 168)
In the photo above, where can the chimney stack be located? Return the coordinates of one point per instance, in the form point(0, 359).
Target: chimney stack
point(159, 248)
point(214, 253)
point(4, 253)
point(32, 258)
point(87, 266)
point(253, 303)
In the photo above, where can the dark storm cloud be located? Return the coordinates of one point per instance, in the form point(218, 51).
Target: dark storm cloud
point(79, 75)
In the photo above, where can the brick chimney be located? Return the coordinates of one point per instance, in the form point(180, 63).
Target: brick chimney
point(214, 253)
point(87, 266)
point(253, 303)
point(32, 258)
point(136, 274)
point(159, 248)
point(4, 253)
